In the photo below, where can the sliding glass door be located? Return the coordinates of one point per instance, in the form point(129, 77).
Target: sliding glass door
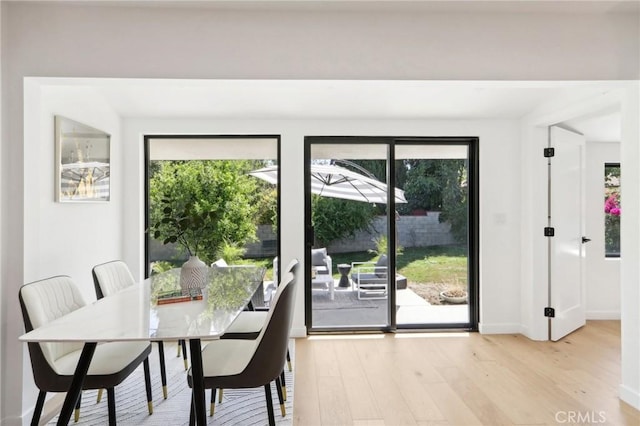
point(347, 196)
point(392, 233)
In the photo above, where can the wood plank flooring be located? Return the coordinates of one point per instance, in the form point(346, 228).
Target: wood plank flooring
point(461, 379)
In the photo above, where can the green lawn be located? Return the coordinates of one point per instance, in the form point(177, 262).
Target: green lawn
point(435, 264)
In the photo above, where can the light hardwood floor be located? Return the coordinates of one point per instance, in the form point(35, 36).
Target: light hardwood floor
point(461, 379)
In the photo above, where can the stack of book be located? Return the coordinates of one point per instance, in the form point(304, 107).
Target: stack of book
point(176, 296)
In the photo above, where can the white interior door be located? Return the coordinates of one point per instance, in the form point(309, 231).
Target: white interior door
point(566, 254)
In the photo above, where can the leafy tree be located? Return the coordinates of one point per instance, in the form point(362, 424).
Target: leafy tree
point(455, 198)
point(201, 204)
point(335, 218)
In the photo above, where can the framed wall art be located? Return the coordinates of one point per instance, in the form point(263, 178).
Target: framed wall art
point(83, 162)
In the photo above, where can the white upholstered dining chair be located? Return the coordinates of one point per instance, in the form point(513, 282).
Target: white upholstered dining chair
point(113, 276)
point(54, 363)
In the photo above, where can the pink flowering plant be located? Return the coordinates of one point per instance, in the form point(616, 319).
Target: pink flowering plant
point(612, 212)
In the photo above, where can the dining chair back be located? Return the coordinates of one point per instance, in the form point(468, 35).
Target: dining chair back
point(258, 362)
point(111, 277)
point(53, 363)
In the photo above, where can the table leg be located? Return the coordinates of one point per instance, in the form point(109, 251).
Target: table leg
point(76, 384)
point(197, 376)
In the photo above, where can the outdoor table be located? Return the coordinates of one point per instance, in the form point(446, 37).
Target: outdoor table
point(133, 314)
point(344, 269)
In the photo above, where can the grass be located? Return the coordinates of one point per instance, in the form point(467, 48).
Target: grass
point(435, 264)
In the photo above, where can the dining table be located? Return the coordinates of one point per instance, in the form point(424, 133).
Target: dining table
point(158, 308)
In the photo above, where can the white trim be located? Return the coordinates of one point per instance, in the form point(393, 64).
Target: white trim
point(603, 315)
point(629, 396)
point(298, 332)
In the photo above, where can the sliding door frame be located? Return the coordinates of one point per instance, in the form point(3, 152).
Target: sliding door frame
point(472, 144)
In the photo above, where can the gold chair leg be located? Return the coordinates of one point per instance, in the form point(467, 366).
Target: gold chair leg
point(289, 366)
point(150, 406)
point(282, 410)
point(165, 393)
point(99, 398)
point(220, 396)
point(76, 415)
point(284, 393)
point(212, 409)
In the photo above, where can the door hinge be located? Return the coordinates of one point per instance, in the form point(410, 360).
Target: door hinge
point(549, 152)
point(549, 312)
point(549, 231)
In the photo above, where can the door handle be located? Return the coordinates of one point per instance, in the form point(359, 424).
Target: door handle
point(585, 240)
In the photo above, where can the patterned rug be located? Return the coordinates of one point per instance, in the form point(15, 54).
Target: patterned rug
point(238, 407)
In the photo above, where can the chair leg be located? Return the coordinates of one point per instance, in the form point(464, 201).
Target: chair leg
point(184, 354)
point(111, 403)
point(279, 388)
point(283, 382)
point(212, 406)
point(267, 394)
point(289, 361)
point(178, 348)
point(76, 412)
point(99, 397)
point(220, 396)
point(163, 368)
point(147, 384)
point(37, 412)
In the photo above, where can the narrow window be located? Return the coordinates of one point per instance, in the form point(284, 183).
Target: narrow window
point(612, 209)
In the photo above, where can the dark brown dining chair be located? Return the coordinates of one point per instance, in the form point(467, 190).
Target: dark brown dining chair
point(241, 363)
point(248, 326)
point(53, 363)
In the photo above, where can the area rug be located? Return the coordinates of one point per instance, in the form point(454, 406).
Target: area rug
point(238, 407)
point(343, 299)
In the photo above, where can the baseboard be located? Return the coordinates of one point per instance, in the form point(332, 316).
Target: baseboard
point(297, 332)
point(630, 396)
point(602, 315)
point(499, 328)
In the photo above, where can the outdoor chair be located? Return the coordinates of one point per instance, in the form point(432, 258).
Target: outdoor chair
point(54, 363)
point(370, 279)
point(241, 364)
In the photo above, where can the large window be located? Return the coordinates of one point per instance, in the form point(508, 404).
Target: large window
point(203, 202)
point(612, 209)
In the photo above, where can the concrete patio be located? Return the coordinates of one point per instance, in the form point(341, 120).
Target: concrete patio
point(346, 310)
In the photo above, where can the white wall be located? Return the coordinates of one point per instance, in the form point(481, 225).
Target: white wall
point(630, 247)
point(499, 209)
point(602, 279)
point(189, 42)
point(65, 238)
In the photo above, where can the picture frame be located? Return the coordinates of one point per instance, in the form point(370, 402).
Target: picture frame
point(83, 162)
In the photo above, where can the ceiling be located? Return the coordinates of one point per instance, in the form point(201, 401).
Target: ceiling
point(341, 99)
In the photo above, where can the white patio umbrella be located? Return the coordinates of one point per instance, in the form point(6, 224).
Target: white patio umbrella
point(339, 182)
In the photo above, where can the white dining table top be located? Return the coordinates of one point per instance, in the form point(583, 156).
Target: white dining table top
point(133, 314)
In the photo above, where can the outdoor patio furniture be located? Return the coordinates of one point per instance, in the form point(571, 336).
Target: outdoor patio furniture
point(321, 261)
point(370, 279)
